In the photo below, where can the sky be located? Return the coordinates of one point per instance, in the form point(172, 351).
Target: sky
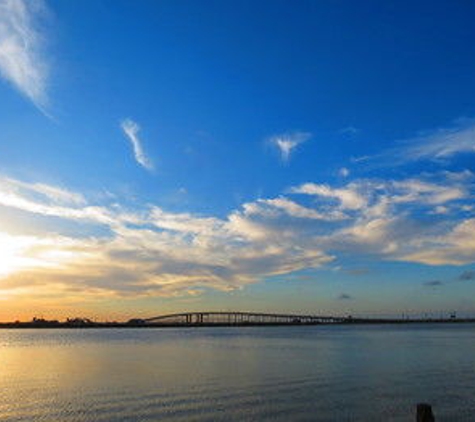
point(313, 157)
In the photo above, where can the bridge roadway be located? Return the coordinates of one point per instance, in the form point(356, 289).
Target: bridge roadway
point(238, 318)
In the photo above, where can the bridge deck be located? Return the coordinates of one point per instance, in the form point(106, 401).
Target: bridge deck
point(238, 318)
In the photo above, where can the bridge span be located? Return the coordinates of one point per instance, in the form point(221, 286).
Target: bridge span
point(236, 318)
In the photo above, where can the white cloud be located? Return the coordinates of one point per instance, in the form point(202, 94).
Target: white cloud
point(22, 62)
point(184, 222)
point(276, 206)
point(287, 142)
point(56, 194)
point(131, 130)
point(154, 252)
point(349, 197)
point(414, 190)
point(455, 246)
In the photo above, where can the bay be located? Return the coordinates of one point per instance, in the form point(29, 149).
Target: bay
point(297, 373)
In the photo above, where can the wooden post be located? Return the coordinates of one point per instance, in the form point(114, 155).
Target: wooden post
point(424, 413)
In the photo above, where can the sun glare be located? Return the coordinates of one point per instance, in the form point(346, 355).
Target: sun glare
point(13, 254)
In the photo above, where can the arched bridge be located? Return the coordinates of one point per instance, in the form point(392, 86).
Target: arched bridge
point(235, 318)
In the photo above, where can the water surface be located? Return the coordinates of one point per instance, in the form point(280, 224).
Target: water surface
point(313, 373)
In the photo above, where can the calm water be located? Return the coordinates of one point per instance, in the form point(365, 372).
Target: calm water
point(357, 373)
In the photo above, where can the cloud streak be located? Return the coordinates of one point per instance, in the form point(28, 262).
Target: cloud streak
point(439, 146)
point(131, 130)
point(22, 62)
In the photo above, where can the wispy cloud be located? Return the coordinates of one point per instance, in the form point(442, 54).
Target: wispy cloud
point(131, 130)
point(441, 144)
point(438, 145)
point(287, 142)
point(22, 62)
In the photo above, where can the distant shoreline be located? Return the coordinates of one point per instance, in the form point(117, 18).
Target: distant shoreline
point(350, 321)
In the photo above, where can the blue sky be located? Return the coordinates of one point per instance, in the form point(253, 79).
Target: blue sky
point(313, 157)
